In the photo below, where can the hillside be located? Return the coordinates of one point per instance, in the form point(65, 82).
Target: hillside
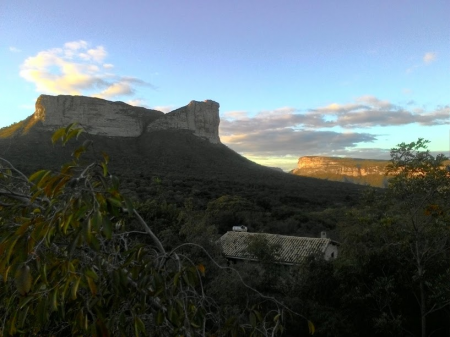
point(180, 158)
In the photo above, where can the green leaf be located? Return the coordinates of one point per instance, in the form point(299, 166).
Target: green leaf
point(75, 286)
point(277, 317)
point(105, 157)
point(107, 228)
point(44, 274)
point(95, 243)
point(23, 316)
point(23, 279)
point(24, 301)
point(69, 127)
point(130, 207)
point(115, 202)
point(74, 242)
point(78, 151)
point(58, 134)
point(66, 223)
point(38, 175)
point(252, 319)
point(72, 133)
point(96, 221)
point(91, 273)
point(140, 324)
point(159, 317)
point(91, 285)
point(12, 325)
point(311, 328)
point(54, 302)
point(105, 169)
point(87, 229)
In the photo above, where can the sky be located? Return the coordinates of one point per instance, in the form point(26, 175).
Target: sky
point(294, 78)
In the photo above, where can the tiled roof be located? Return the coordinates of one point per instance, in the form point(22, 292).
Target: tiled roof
point(293, 248)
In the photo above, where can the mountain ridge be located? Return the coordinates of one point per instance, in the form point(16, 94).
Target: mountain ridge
point(118, 119)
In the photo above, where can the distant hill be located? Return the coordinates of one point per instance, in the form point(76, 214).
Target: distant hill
point(351, 170)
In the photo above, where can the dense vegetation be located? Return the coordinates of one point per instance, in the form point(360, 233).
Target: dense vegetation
point(76, 257)
point(84, 252)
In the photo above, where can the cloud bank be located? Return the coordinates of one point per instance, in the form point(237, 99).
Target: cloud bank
point(77, 69)
point(332, 130)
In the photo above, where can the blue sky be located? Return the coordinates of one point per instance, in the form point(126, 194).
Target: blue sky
point(293, 78)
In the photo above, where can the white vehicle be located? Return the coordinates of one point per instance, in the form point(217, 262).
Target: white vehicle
point(241, 228)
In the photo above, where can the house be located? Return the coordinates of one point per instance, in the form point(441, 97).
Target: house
point(293, 249)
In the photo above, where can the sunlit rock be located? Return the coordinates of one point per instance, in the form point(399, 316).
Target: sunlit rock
point(117, 119)
point(200, 117)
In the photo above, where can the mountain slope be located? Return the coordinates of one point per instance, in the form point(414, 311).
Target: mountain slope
point(184, 149)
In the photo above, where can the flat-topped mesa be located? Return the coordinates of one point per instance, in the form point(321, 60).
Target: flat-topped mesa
point(117, 119)
point(353, 167)
point(200, 117)
point(354, 170)
point(97, 116)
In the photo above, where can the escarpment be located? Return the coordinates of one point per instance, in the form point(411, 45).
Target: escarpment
point(354, 170)
point(118, 119)
point(200, 117)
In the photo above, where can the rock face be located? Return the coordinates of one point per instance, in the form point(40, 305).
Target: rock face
point(354, 170)
point(352, 167)
point(97, 116)
point(117, 119)
point(200, 117)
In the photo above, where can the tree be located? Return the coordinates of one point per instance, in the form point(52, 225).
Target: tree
point(73, 261)
point(421, 190)
point(401, 242)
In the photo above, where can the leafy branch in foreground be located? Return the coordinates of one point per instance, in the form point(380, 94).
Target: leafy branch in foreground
point(71, 262)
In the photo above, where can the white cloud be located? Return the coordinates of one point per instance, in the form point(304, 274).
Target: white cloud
point(75, 45)
point(116, 89)
point(317, 131)
point(232, 115)
point(429, 57)
point(14, 49)
point(96, 55)
point(76, 69)
point(137, 102)
point(163, 108)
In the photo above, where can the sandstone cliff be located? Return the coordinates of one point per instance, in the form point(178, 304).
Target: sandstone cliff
point(354, 170)
point(200, 117)
point(117, 119)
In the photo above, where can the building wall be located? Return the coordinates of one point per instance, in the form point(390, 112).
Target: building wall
point(331, 252)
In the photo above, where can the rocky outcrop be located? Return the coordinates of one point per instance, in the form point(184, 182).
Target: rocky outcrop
point(117, 119)
point(200, 117)
point(354, 170)
point(96, 116)
point(353, 167)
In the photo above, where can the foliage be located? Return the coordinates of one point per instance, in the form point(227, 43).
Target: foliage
point(73, 261)
point(395, 252)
